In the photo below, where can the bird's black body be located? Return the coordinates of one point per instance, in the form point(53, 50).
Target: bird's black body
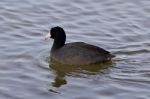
point(76, 53)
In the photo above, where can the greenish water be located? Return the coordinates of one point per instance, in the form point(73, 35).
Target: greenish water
point(120, 26)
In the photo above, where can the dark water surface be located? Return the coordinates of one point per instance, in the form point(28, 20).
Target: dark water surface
point(120, 26)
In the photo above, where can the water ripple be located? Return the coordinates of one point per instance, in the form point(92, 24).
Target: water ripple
point(119, 26)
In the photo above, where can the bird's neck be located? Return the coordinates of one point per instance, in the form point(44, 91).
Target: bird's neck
point(58, 44)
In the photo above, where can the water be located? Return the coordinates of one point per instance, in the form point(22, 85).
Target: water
point(120, 26)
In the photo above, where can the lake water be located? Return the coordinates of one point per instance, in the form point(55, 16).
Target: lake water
point(120, 26)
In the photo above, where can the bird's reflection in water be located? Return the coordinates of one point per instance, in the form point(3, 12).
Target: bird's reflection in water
point(63, 71)
point(59, 79)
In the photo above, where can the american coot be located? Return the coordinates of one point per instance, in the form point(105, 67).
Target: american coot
point(76, 53)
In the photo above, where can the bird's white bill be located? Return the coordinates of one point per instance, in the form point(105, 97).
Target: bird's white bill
point(48, 36)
